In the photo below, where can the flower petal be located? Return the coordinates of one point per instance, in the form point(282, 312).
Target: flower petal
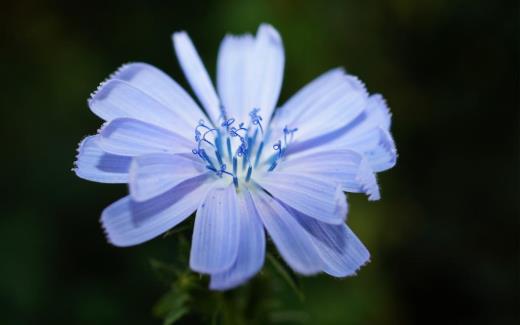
point(251, 247)
point(250, 73)
point(196, 74)
point(378, 146)
point(345, 167)
point(162, 88)
point(127, 222)
point(234, 75)
point(154, 174)
point(268, 70)
point(292, 241)
point(116, 99)
point(368, 134)
point(377, 114)
point(329, 102)
point(215, 240)
point(94, 164)
point(129, 137)
point(308, 194)
point(340, 250)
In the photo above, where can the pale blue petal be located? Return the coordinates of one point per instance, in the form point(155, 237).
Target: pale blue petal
point(153, 174)
point(345, 167)
point(196, 74)
point(368, 134)
point(235, 66)
point(127, 222)
point(250, 73)
point(162, 88)
point(251, 247)
point(309, 194)
point(94, 164)
point(328, 103)
point(267, 71)
point(376, 115)
point(129, 137)
point(117, 98)
point(215, 240)
point(290, 238)
point(378, 147)
point(340, 250)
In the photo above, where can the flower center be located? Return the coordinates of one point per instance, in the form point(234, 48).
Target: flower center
point(237, 146)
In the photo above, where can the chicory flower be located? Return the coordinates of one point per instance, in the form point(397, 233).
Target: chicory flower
point(241, 165)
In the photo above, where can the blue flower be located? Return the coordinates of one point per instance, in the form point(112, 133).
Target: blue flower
point(242, 168)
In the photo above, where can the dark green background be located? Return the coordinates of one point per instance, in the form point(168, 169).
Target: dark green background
point(444, 237)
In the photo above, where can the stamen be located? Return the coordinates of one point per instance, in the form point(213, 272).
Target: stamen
point(205, 156)
point(219, 158)
point(234, 166)
point(250, 143)
point(245, 149)
point(235, 178)
point(228, 143)
point(256, 119)
point(273, 166)
point(278, 146)
point(259, 152)
point(227, 123)
point(249, 171)
point(223, 171)
point(287, 131)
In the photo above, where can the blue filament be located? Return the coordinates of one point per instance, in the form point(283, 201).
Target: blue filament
point(278, 146)
point(256, 119)
point(259, 152)
point(249, 171)
point(228, 143)
point(206, 158)
point(234, 165)
point(231, 152)
point(219, 158)
point(227, 123)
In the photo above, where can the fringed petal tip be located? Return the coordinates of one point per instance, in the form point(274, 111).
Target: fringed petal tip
point(101, 91)
point(79, 150)
point(387, 142)
point(94, 164)
point(114, 75)
point(380, 102)
point(353, 273)
point(349, 275)
point(368, 181)
point(108, 235)
point(356, 84)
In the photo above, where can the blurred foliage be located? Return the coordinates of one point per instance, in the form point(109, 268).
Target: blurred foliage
point(444, 237)
point(258, 302)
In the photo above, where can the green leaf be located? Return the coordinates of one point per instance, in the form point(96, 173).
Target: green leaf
point(170, 301)
point(165, 271)
point(287, 275)
point(175, 315)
